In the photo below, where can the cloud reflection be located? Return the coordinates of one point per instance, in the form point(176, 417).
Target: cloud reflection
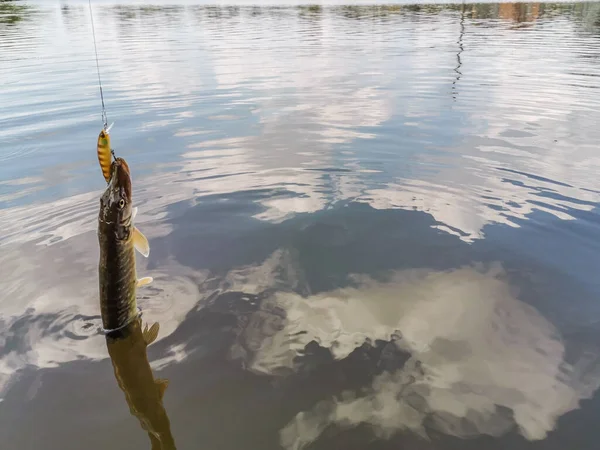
point(479, 359)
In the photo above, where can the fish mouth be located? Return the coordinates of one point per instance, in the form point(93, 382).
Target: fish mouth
point(121, 178)
point(118, 188)
point(120, 162)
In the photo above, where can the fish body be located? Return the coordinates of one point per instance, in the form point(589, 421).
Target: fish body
point(118, 238)
point(104, 153)
point(143, 392)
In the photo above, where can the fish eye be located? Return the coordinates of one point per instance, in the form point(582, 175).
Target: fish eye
point(121, 203)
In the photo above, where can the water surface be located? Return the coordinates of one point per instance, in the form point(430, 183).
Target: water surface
point(370, 226)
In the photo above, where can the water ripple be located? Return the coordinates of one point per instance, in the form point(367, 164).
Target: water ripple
point(425, 135)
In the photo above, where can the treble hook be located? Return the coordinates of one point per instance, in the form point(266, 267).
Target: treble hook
point(107, 130)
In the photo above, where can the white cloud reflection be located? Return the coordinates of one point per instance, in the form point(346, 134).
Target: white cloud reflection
point(316, 100)
point(474, 347)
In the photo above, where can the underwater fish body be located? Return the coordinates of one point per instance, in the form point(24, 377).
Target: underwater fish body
point(143, 393)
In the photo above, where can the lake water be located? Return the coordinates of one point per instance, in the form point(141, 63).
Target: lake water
point(370, 226)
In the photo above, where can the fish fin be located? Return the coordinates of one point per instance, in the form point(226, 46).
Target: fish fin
point(134, 211)
point(144, 281)
point(140, 242)
point(151, 334)
point(162, 384)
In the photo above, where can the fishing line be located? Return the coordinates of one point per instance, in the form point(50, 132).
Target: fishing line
point(104, 117)
point(107, 331)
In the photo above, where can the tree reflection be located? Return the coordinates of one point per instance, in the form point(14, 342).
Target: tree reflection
point(521, 13)
point(12, 12)
point(460, 50)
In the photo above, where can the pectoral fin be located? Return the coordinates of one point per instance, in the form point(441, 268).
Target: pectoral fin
point(144, 281)
point(151, 334)
point(140, 242)
point(161, 384)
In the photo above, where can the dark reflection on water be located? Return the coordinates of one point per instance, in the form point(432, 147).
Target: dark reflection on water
point(370, 226)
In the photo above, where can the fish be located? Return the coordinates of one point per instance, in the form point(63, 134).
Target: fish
point(104, 153)
point(118, 239)
point(143, 393)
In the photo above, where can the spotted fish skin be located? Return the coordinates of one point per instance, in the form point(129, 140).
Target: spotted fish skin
point(104, 154)
point(116, 270)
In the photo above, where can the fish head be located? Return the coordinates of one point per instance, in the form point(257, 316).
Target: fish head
point(115, 204)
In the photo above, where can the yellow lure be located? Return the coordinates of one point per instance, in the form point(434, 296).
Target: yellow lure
point(104, 153)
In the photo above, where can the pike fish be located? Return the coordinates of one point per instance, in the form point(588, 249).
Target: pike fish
point(118, 238)
point(143, 392)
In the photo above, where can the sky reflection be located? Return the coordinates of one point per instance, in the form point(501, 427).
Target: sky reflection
point(420, 178)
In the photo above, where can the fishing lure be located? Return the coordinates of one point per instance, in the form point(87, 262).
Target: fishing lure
point(104, 152)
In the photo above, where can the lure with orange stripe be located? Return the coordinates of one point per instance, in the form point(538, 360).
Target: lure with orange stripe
point(104, 153)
